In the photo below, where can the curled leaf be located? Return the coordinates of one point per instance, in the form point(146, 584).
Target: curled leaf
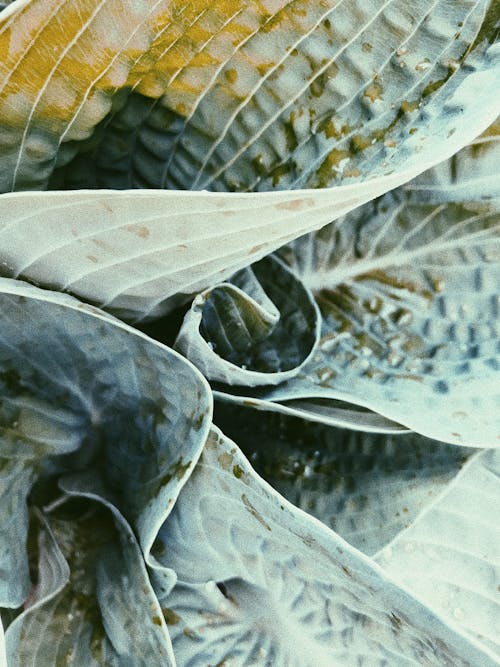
point(81, 391)
point(260, 328)
point(408, 287)
point(92, 589)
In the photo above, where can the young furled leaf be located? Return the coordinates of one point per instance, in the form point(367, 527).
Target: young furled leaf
point(259, 328)
point(408, 286)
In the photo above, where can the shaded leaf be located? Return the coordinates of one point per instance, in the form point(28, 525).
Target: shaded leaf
point(81, 390)
point(450, 555)
point(323, 411)
point(92, 590)
point(3, 655)
point(366, 487)
point(259, 329)
point(259, 582)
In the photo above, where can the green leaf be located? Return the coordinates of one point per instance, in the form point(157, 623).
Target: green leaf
point(259, 329)
point(93, 603)
point(449, 555)
point(260, 581)
point(367, 487)
point(81, 391)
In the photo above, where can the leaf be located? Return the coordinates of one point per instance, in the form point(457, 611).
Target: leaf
point(260, 582)
point(140, 254)
point(449, 555)
point(366, 487)
point(92, 589)
point(259, 329)
point(82, 391)
point(408, 288)
point(227, 96)
point(322, 411)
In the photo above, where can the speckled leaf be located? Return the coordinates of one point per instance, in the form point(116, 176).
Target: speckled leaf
point(450, 556)
point(230, 95)
point(92, 589)
point(79, 389)
point(366, 487)
point(306, 94)
point(260, 582)
point(259, 328)
point(409, 291)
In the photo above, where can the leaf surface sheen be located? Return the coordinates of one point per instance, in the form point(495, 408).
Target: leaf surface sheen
point(259, 585)
point(450, 557)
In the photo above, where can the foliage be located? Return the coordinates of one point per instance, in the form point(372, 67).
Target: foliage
point(250, 333)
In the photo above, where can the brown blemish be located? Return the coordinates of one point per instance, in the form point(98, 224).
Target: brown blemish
point(138, 230)
point(373, 92)
point(231, 75)
point(171, 618)
point(254, 512)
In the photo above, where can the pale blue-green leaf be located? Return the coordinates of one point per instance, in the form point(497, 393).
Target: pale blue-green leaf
point(236, 96)
point(240, 335)
point(79, 389)
point(93, 604)
point(409, 291)
point(366, 487)
point(450, 556)
point(409, 92)
point(323, 411)
point(16, 478)
point(260, 582)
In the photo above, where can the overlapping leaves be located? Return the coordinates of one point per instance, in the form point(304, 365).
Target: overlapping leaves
point(387, 318)
point(258, 585)
point(86, 396)
point(408, 291)
point(225, 96)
